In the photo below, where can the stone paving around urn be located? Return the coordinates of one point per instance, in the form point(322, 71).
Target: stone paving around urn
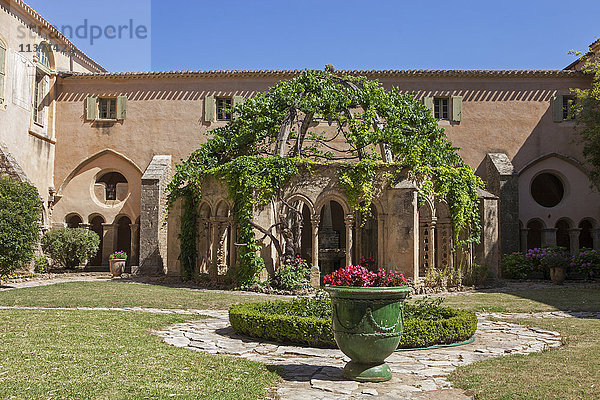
point(314, 373)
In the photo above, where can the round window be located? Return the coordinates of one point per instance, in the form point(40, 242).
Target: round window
point(111, 187)
point(547, 189)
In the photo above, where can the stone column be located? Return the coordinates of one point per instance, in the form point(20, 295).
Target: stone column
point(349, 222)
point(381, 239)
point(431, 240)
point(314, 222)
point(549, 237)
point(108, 242)
point(213, 270)
point(596, 238)
point(574, 240)
point(153, 251)
point(524, 234)
point(135, 245)
point(85, 226)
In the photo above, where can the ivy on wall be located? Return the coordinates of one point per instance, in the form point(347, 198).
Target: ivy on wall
point(274, 133)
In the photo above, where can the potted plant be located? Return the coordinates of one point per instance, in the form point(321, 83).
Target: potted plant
point(368, 318)
point(117, 263)
point(556, 259)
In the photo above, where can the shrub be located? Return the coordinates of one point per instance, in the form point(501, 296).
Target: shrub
point(70, 247)
point(20, 216)
point(308, 321)
point(587, 261)
point(41, 264)
point(517, 266)
point(292, 274)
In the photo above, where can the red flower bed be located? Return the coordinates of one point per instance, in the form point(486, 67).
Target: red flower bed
point(357, 275)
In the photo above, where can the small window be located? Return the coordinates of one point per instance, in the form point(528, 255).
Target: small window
point(440, 107)
point(224, 108)
point(567, 108)
point(2, 69)
point(107, 108)
point(110, 181)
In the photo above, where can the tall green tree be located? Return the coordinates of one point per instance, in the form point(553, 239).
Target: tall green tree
point(20, 217)
point(587, 113)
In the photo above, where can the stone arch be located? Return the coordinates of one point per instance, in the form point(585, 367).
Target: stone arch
point(222, 246)
point(123, 235)
point(560, 156)
point(88, 160)
point(307, 210)
point(96, 222)
point(535, 226)
point(73, 220)
point(588, 229)
point(222, 209)
point(563, 227)
point(443, 235)
point(332, 196)
point(426, 237)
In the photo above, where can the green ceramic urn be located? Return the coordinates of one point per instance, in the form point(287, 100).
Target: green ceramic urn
point(367, 326)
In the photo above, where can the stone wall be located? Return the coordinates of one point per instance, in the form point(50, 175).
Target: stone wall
point(9, 166)
point(153, 230)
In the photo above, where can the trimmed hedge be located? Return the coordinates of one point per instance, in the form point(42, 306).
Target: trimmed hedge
point(277, 321)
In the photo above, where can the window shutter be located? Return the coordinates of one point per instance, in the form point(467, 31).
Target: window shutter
point(91, 108)
point(121, 107)
point(557, 108)
point(237, 100)
point(428, 102)
point(2, 69)
point(456, 108)
point(209, 108)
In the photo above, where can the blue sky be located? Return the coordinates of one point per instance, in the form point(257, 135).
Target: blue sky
point(350, 34)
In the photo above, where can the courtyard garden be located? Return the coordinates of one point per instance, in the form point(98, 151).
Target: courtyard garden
point(69, 353)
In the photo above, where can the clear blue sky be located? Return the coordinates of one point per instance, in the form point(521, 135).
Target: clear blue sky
point(350, 34)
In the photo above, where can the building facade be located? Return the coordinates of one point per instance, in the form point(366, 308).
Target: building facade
point(100, 146)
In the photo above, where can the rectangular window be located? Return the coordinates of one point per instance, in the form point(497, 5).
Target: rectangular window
point(107, 108)
point(440, 107)
point(2, 68)
point(224, 108)
point(567, 108)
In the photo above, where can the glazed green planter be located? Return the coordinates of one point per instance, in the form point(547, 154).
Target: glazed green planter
point(367, 326)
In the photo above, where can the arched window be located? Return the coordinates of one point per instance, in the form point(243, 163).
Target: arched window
point(43, 55)
point(115, 186)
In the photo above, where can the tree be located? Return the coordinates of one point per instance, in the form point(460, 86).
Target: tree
point(20, 217)
point(271, 137)
point(587, 113)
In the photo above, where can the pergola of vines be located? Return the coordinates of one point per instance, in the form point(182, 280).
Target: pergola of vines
point(275, 132)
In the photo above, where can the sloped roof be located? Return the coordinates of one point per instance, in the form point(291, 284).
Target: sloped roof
point(287, 73)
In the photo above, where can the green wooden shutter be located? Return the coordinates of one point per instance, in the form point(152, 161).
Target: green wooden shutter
point(91, 108)
point(428, 102)
point(121, 107)
point(557, 108)
point(209, 109)
point(456, 108)
point(237, 100)
point(2, 71)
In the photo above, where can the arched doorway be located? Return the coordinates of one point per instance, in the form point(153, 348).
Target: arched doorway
point(562, 234)
point(586, 240)
point(96, 226)
point(366, 233)
point(332, 238)
point(73, 221)
point(534, 234)
point(124, 237)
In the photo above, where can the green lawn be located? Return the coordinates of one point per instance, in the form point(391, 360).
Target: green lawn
point(567, 373)
point(50, 354)
point(123, 294)
point(574, 299)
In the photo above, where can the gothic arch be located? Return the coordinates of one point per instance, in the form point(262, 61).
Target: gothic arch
point(88, 160)
point(332, 196)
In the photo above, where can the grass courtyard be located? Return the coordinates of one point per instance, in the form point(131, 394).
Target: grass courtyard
point(65, 354)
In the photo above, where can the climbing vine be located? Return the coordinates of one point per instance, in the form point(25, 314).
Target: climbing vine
point(276, 132)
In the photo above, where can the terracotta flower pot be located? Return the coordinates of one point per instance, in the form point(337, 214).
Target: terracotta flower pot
point(557, 275)
point(367, 326)
point(117, 266)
